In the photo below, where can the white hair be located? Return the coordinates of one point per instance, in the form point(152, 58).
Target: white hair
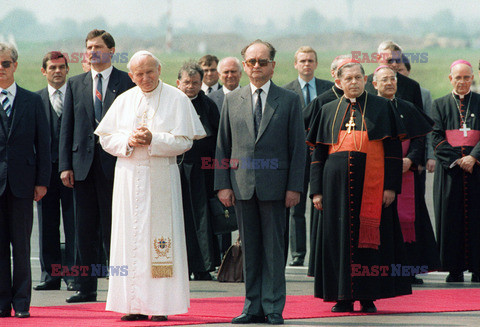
point(222, 62)
point(139, 54)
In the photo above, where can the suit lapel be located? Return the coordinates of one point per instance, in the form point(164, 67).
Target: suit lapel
point(246, 102)
point(46, 104)
point(298, 90)
point(269, 110)
point(19, 107)
point(87, 91)
point(111, 92)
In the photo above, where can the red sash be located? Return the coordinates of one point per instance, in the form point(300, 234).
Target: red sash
point(456, 137)
point(372, 195)
point(406, 201)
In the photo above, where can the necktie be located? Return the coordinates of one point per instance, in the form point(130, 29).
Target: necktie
point(57, 103)
point(209, 90)
point(6, 103)
point(258, 112)
point(98, 100)
point(307, 87)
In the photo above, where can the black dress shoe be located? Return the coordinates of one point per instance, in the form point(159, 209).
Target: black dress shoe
point(296, 262)
point(47, 286)
point(275, 319)
point(82, 297)
point(159, 318)
point(367, 307)
point(5, 313)
point(416, 281)
point(455, 277)
point(245, 318)
point(71, 286)
point(475, 277)
point(203, 275)
point(134, 317)
point(22, 314)
point(343, 306)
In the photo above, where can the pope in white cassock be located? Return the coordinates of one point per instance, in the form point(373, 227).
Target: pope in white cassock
point(146, 128)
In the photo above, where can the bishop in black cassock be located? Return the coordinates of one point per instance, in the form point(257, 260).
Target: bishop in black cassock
point(456, 140)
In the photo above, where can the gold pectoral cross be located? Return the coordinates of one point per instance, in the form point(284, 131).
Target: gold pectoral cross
point(143, 123)
point(350, 125)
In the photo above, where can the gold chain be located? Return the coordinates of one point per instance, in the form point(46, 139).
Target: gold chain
point(361, 128)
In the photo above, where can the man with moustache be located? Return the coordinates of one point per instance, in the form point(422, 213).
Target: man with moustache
point(456, 196)
point(261, 121)
point(83, 164)
point(55, 69)
point(355, 176)
point(307, 86)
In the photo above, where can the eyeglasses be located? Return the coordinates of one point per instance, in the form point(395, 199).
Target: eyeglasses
point(261, 62)
point(6, 63)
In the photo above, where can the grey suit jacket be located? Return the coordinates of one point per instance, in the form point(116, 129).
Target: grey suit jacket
point(217, 97)
point(321, 85)
point(270, 164)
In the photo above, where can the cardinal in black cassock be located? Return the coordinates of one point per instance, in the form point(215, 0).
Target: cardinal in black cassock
point(356, 172)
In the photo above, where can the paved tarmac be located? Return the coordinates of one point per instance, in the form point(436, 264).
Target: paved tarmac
point(297, 284)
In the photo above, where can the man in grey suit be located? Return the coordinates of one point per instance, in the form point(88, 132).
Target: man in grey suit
point(307, 86)
point(230, 71)
point(261, 135)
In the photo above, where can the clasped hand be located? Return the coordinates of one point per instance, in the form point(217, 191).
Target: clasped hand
point(140, 137)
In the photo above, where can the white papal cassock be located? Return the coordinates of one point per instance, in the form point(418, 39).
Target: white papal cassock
point(170, 116)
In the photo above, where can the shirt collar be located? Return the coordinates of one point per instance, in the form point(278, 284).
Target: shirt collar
point(265, 87)
point(52, 90)
point(12, 89)
point(105, 73)
point(463, 95)
point(205, 87)
point(303, 83)
point(226, 91)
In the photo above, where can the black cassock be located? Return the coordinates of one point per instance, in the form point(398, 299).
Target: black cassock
point(197, 187)
point(456, 193)
point(422, 251)
point(309, 114)
point(343, 271)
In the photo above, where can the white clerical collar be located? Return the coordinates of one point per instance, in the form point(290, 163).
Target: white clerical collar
point(52, 90)
point(352, 100)
point(12, 89)
point(461, 96)
point(265, 87)
point(105, 73)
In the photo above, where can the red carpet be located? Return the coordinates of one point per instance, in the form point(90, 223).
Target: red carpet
point(222, 310)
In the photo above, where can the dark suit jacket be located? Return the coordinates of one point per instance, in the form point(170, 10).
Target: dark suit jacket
point(217, 97)
point(407, 89)
point(77, 141)
point(51, 119)
point(25, 149)
point(320, 84)
point(281, 138)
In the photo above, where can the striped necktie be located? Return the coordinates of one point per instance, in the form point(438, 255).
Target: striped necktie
point(258, 112)
point(57, 102)
point(98, 100)
point(7, 106)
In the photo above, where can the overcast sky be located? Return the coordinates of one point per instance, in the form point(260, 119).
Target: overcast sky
point(149, 11)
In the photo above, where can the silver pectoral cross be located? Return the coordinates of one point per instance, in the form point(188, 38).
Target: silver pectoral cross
point(464, 129)
point(350, 125)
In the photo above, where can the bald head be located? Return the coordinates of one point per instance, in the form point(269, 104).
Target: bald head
point(230, 70)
